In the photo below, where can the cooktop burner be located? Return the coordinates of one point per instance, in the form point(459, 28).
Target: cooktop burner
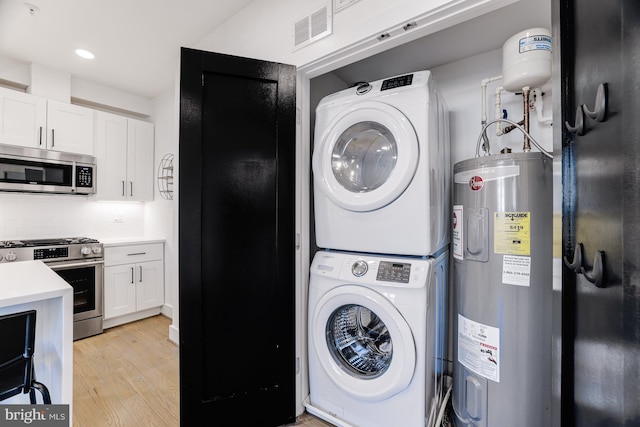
point(46, 242)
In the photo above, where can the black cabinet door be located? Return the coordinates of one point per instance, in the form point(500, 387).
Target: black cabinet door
point(237, 237)
point(601, 210)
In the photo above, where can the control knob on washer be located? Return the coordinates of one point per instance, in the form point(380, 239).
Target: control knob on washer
point(10, 256)
point(359, 268)
point(85, 250)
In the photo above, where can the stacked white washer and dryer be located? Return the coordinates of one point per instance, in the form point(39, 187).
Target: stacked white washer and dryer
point(378, 286)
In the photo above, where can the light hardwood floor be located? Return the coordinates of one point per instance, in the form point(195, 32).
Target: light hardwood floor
point(129, 377)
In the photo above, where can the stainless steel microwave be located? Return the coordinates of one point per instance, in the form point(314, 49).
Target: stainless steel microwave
point(46, 171)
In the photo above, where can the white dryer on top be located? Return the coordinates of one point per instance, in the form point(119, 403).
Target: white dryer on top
point(381, 168)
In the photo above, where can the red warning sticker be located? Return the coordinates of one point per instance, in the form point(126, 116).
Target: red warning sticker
point(476, 183)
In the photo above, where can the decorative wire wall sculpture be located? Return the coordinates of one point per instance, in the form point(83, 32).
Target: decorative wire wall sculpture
point(165, 177)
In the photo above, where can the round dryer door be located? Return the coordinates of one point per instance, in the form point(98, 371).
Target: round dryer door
point(367, 157)
point(363, 343)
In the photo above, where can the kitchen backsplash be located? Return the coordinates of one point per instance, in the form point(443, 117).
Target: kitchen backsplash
point(32, 216)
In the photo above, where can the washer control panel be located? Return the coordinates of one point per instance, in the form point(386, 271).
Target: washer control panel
point(394, 272)
point(369, 269)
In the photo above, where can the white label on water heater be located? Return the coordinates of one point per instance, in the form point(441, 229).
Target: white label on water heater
point(516, 270)
point(479, 348)
point(456, 222)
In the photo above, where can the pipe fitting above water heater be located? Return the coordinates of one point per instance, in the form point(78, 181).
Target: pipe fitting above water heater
point(526, 59)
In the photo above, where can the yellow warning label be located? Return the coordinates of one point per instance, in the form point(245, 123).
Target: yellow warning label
point(512, 233)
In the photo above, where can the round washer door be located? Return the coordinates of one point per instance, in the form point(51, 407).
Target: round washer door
point(363, 343)
point(367, 157)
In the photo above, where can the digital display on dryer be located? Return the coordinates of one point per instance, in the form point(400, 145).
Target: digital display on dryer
point(393, 272)
point(396, 82)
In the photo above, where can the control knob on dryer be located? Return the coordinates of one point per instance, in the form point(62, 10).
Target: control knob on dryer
point(85, 250)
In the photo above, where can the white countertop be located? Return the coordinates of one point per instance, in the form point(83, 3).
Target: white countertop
point(28, 281)
point(120, 241)
point(31, 285)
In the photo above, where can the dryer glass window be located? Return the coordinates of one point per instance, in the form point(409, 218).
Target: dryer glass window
point(359, 341)
point(364, 157)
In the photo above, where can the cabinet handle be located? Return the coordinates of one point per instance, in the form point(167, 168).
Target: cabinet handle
point(131, 188)
point(597, 273)
point(53, 138)
point(578, 129)
point(132, 275)
point(40, 135)
point(123, 189)
point(140, 280)
point(600, 108)
point(137, 253)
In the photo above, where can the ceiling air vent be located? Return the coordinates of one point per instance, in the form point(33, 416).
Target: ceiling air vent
point(312, 27)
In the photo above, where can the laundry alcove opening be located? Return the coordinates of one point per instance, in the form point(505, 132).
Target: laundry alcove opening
point(460, 57)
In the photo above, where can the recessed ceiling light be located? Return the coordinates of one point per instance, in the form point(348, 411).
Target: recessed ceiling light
point(85, 54)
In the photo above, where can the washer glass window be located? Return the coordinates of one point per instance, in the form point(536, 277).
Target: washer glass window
point(359, 341)
point(364, 157)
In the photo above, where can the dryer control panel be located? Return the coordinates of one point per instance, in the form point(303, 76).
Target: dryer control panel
point(396, 82)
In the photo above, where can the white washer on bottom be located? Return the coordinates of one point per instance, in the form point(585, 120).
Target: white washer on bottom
point(376, 338)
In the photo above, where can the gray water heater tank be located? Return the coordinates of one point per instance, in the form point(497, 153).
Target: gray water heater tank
point(502, 278)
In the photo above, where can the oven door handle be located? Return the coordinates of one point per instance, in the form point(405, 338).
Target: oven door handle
point(76, 264)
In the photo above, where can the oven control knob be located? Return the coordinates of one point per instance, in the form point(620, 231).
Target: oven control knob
point(86, 250)
point(96, 249)
point(10, 256)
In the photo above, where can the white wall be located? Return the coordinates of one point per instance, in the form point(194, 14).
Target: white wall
point(162, 215)
point(44, 81)
point(31, 216)
point(459, 83)
point(264, 29)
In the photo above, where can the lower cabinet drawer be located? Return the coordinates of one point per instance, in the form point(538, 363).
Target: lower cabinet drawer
point(133, 253)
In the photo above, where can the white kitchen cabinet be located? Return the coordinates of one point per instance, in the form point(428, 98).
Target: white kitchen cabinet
point(124, 151)
point(23, 118)
point(31, 121)
point(69, 128)
point(133, 282)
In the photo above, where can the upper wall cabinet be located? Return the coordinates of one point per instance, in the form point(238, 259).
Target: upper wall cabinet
point(35, 122)
point(124, 152)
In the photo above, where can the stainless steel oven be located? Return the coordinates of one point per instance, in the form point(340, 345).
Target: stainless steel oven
point(86, 279)
point(80, 262)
